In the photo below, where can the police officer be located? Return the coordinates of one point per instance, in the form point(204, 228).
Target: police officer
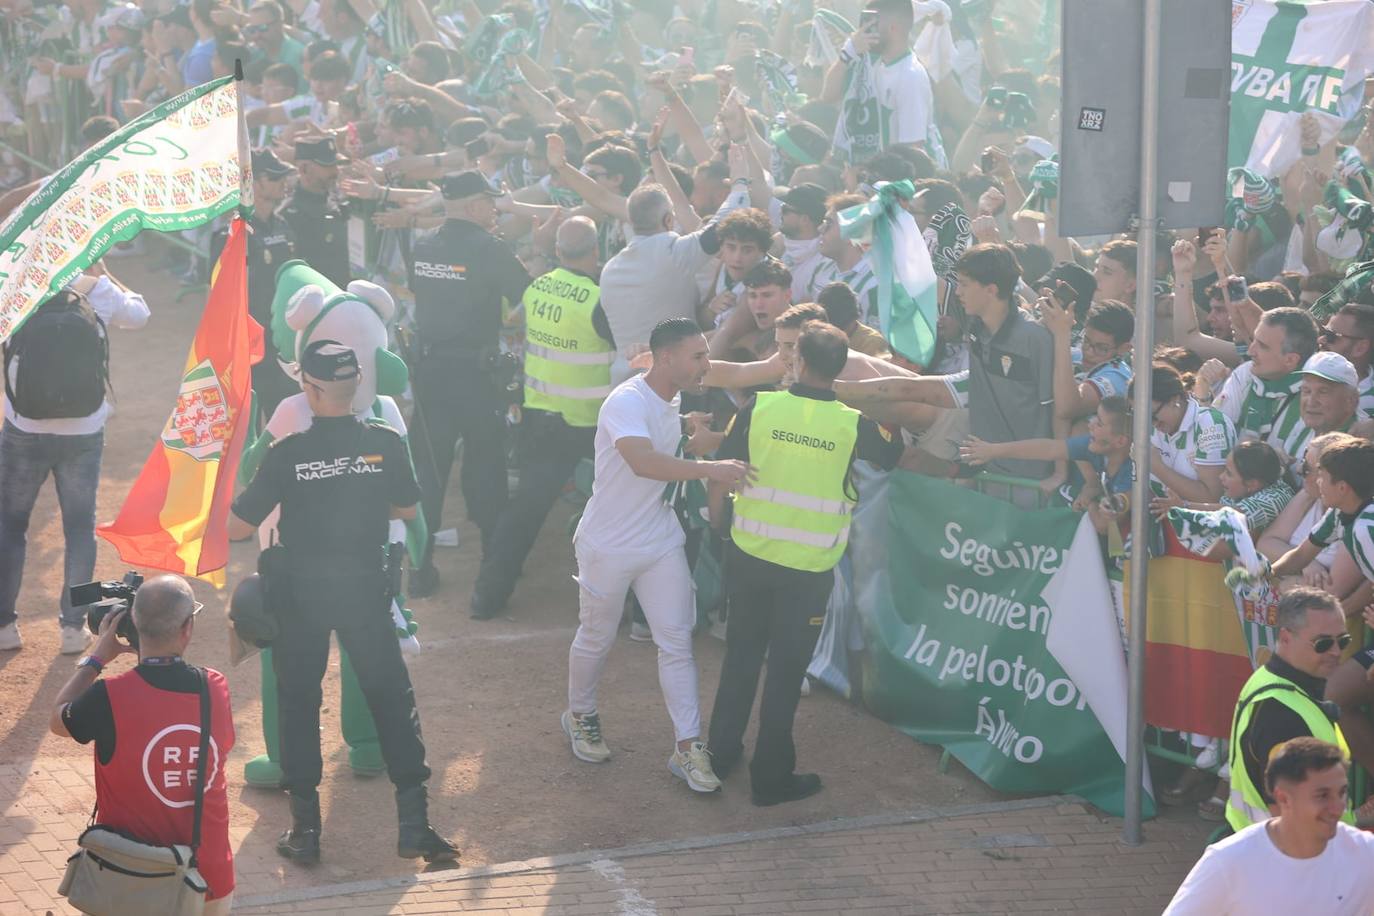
point(338, 484)
point(459, 277)
point(789, 530)
point(315, 215)
point(568, 356)
point(270, 245)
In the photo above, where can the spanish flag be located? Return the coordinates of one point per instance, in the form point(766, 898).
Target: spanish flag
point(1196, 658)
point(175, 517)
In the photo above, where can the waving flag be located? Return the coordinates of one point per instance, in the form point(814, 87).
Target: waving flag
point(176, 515)
point(1288, 59)
point(907, 306)
point(172, 168)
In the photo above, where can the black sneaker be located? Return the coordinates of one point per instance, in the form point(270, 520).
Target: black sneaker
point(424, 582)
point(801, 785)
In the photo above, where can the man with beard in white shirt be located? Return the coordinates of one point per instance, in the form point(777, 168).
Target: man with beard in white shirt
point(1302, 860)
point(629, 536)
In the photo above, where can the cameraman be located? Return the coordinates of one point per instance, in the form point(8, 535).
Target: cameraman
point(149, 717)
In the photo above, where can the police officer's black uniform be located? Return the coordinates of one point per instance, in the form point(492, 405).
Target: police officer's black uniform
point(459, 278)
point(319, 222)
point(336, 484)
point(270, 245)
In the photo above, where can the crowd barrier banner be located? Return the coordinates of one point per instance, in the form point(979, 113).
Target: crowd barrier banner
point(991, 631)
point(1291, 58)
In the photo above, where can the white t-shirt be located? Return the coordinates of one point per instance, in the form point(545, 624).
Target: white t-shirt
point(906, 99)
point(627, 512)
point(1247, 875)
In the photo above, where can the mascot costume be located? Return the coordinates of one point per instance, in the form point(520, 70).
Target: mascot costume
point(308, 307)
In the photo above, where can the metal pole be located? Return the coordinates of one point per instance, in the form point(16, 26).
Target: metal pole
point(1143, 423)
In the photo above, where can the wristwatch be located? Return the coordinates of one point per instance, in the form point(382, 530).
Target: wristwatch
point(90, 661)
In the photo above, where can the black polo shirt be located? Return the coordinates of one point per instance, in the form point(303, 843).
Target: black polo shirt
point(459, 276)
point(336, 483)
point(1274, 723)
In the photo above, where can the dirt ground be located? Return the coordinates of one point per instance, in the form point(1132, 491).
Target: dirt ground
point(505, 786)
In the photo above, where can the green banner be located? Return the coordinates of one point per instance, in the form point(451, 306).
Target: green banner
point(997, 638)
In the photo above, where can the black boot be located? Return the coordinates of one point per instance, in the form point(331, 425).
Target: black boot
point(301, 844)
point(417, 838)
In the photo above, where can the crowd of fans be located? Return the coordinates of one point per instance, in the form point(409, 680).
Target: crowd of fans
point(713, 145)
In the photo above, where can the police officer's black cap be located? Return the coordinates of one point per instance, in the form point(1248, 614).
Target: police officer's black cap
point(267, 163)
point(321, 151)
point(253, 620)
point(466, 184)
point(329, 361)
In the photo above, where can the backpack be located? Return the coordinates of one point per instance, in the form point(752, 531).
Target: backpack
point(64, 361)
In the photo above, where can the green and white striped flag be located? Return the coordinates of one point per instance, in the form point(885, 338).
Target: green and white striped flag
point(174, 167)
point(907, 305)
point(1291, 58)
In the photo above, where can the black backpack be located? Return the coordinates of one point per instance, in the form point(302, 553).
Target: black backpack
point(64, 361)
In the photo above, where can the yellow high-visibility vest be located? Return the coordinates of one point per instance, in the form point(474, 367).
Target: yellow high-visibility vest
point(567, 363)
point(797, 513)
point(1246, 805)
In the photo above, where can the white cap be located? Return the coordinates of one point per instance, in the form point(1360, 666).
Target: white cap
point(1333, 367)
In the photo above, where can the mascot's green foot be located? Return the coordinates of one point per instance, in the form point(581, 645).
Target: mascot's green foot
point(262, 772)
point(366, 759)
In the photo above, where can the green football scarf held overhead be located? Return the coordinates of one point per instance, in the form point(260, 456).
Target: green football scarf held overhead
point(907, 305)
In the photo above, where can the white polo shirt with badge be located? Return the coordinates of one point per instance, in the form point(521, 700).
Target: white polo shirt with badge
point(1204, 439)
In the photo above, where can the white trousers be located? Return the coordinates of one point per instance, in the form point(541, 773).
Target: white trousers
point(663, 585)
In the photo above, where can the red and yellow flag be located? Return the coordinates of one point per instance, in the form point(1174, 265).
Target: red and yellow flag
point(176, 516)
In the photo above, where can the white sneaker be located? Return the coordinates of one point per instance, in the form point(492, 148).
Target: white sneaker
point(806, 686)
point(584, 734)
point(446, 538)
point(640, 632)
point(694, 768)
point(9, 638)
point(75, 640)
point(1209, 758)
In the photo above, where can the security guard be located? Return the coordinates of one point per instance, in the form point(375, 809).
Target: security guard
point(790, 528)
point(459, 277)
point(270, 245)
point(338, 484)
point(315, 215)
point(568, 356)
point(1284, 699)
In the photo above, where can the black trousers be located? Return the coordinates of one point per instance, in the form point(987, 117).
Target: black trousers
point(355, 608)
point(453, 399)
point(778, 611)
point(547, 451)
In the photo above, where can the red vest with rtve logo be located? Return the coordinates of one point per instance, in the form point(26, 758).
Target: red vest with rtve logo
point(148, 787)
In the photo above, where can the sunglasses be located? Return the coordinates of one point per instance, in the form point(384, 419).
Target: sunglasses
point(1322, 644)
point(1328, 334)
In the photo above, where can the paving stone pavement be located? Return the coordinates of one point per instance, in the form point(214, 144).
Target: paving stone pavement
point(1044, 855)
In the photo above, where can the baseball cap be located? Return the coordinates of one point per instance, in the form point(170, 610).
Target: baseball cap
point(329, 361)
point(807, 199)
point(465, 184)
point(266, 162)
point(321, 151)
point(1333, 367)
